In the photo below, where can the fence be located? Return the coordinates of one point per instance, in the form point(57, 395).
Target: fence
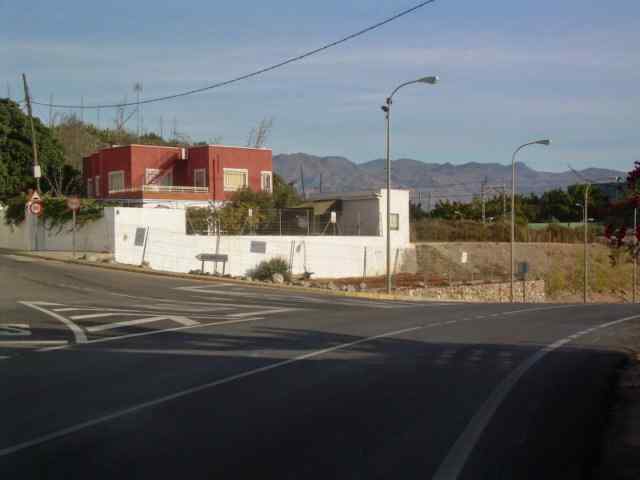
point(436, 230)
point(287, 221)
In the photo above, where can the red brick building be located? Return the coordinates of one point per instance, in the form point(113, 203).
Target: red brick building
point(156, 174)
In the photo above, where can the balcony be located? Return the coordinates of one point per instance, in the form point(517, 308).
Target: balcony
point(161, 192)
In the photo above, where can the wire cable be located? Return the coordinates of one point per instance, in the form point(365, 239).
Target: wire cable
point(247, 75)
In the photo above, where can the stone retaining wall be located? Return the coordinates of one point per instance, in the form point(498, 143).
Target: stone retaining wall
point(534, 292)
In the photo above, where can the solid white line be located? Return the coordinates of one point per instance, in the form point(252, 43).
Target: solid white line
point(96, 315)
point(125, 323)
point(77, 331)
point(262, 312)
point(2, 357)
point(26, 343)
point(155, 332)
point(190, 391)
point(454, 462)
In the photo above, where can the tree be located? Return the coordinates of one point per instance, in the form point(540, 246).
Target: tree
point(16, 154)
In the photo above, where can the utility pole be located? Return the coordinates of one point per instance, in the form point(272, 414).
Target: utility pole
point(428, 201)
point(82, 109)
point(51, 110)
point(635, 251)
point(98, 113)
point(8, 90)
point(36, 165)
point(483, 200)
point(586, 233)
point(161, 127)
point(320, 182)
point(302, 181)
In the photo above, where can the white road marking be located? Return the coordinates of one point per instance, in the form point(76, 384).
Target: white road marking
point(156, 332)
point(128, 323)
point(204, 288)
point(190, 391)
point(29, 343)
point(2, 357)
point(77, 331)
point(14, 330)
point(454, 463)
point(262, 312)
point(98, 315)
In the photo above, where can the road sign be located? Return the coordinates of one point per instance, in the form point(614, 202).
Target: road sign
point(212, 257)
point(73, 203)
point(36, 208)
point(35, 197)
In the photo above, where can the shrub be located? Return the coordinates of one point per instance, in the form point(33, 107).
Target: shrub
point(266, 269)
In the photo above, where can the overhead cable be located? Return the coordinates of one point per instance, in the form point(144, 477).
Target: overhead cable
point(247, 75)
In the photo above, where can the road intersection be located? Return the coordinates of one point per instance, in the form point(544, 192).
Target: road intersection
point(160, 376)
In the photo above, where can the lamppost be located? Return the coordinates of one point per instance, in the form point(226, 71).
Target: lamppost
point(513, 201)
point(585, 220)
point(387, 113)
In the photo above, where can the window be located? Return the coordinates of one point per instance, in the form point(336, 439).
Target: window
point(394, 221)
point(200, 177)
point(266, 183)
point(151, 175)
point(90, 187)
point(155, 176)
point(116, 181)
point(235, 179)
point(98, 186)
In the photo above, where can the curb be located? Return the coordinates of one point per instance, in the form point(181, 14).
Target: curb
point(205, 279)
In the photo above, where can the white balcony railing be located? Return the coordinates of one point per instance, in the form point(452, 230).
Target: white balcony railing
point(161, 189)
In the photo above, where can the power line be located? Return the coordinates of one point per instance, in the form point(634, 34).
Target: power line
point(252, 74)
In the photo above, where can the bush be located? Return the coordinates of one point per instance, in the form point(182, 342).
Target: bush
point(266, 269)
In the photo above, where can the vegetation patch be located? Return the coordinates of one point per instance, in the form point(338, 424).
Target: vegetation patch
point(265, 270)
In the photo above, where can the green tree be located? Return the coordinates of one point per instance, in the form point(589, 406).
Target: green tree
point(16, 154)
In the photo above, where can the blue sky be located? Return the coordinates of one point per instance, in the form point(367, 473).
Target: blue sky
point(510, 71)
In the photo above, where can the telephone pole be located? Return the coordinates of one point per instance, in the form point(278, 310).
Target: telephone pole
point(36, 165)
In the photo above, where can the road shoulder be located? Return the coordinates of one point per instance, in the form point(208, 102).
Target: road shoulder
point(621, 444)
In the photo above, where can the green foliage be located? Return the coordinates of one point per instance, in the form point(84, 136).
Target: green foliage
point(15, 212)
point(16, 154)
point(55, 212)
point(284, 195)
point(266, 269)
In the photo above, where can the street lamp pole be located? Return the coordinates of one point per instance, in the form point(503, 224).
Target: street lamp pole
point(513, 206)
point(387, 113)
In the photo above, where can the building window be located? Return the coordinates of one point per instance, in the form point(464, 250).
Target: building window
point(200, 177)
point(116, 181)
point(155, 176)
point(394, 221)
point(266, 181)
point(90, 187)
point(98, 186)
point(235, 179)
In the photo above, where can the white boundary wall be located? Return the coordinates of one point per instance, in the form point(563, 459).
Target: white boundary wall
point(170, 249)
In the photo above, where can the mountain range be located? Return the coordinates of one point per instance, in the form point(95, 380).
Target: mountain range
point(441, 180)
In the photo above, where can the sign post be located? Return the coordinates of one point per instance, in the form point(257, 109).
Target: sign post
point(73, 203)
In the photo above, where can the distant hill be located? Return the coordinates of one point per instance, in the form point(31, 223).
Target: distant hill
point(443, 180)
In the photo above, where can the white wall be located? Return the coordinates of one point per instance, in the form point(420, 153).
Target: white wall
point(12, 237)
point(399, 205)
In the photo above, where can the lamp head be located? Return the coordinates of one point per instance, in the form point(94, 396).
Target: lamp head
point(546, 142)
point(429, 80)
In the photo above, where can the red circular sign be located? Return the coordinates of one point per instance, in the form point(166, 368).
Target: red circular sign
point(73, 203)
point(36, 208)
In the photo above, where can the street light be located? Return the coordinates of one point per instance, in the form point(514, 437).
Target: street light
point(386, 108)
point(545, 142)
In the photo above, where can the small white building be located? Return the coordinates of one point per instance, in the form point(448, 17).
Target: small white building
point(365, 213)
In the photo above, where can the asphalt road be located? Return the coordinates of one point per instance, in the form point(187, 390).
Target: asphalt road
point(109, 374)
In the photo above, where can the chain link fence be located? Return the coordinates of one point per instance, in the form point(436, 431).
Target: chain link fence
point(286, 221)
